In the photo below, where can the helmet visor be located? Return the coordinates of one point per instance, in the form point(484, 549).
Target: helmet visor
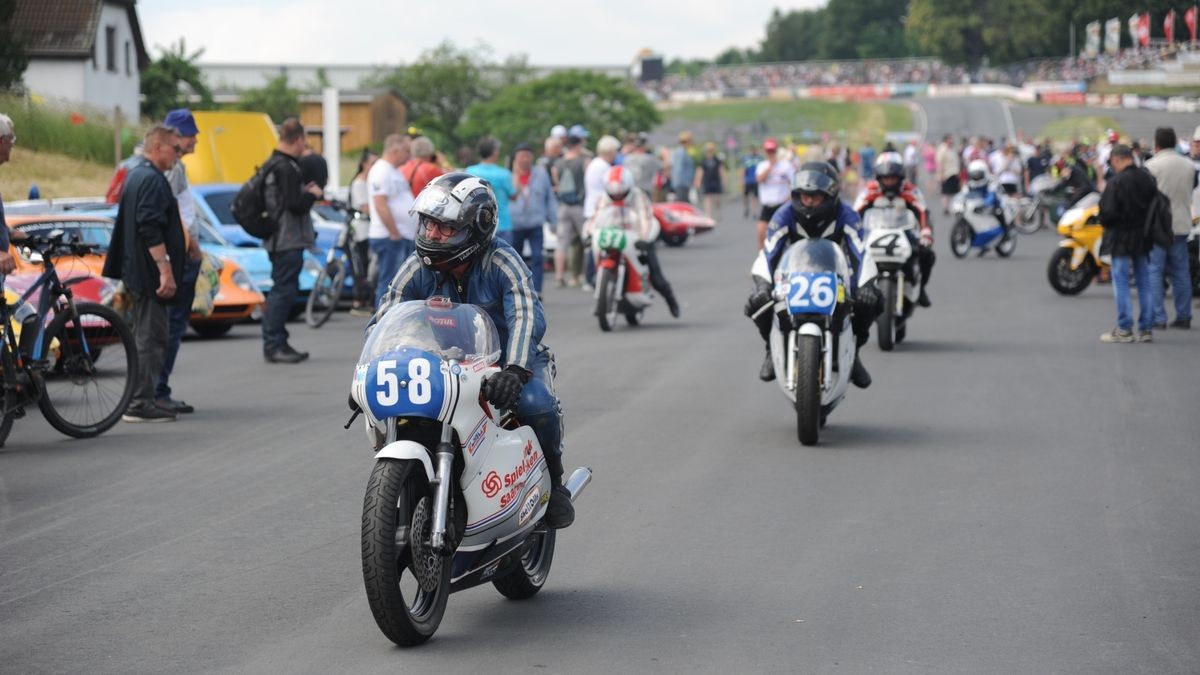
point(436, 202)
point(814, 181)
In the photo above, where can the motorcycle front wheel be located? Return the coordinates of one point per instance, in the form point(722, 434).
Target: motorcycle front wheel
point(396, 521)
point(1007, 244)
point(1069, 281)
point(885, 324)
point(960, 239)
point(536, 557)
point(1031, 217)
point(606, 299)
point(808, 389)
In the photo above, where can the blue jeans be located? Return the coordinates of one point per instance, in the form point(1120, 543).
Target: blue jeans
point(1139, 266)
point(178, 315)
point(539, 406)
point(389, 256)
point(285, 273)
point(1173, 261)
point(535, 237)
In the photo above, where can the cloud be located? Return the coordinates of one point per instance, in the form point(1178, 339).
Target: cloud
point(550, 32)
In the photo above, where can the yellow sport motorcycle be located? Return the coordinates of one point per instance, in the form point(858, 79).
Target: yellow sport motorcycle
point(1076, 261)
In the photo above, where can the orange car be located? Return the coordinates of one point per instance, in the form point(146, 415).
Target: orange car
point(237, 298)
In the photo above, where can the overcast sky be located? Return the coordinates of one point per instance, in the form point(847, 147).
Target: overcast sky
point(550, 32)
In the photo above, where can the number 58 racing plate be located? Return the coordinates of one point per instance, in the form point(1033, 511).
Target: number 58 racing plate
point(406, 382)
point(813, 292)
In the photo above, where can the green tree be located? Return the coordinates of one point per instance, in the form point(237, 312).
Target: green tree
point(794, 36)
point(689, 68)
point(524, 113)
point(12, 48)
point(875, 29)
point(277, 99)
point(968, 32)
point(441, 84)
point(162, 80)
point(733, 56)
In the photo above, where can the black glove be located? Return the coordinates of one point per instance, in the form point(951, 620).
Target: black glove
point(868, 296)
point(761, 297)
point(503, 389)
point(642, 245)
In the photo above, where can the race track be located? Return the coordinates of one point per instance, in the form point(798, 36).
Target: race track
point(1010, 495)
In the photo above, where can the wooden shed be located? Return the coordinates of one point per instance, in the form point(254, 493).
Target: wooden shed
point(366, 117)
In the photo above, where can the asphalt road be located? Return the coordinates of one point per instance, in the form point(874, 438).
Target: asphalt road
point(1010, 495)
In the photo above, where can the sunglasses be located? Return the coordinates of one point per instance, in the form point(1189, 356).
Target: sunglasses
point(12, 138)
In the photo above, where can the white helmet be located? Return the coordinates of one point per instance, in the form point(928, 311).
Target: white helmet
point(618, 182)
point(977, 174)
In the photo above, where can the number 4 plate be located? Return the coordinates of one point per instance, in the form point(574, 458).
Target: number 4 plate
point(813, 292)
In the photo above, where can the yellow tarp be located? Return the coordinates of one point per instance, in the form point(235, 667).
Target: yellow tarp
point(230, 146)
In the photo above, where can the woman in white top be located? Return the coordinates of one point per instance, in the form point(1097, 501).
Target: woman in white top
point(360, 251)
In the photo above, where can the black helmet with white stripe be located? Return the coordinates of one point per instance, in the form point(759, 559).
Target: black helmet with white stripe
point(456, 215)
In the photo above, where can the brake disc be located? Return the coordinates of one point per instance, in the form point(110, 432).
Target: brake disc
point(426, 563)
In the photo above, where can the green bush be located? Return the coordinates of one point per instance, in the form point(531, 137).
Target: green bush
point(47, 128)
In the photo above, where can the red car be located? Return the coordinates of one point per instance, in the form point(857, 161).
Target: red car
point(679, 221)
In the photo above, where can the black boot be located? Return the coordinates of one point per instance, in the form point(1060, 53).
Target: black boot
point(924, 299)
point(767, 372)
point(859, 375)
point(673, 305)
point(560, 512)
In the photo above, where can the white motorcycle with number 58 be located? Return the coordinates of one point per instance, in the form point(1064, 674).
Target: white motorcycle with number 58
point(459, 489)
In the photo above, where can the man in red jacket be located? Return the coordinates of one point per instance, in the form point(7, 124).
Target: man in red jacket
point(888, 187)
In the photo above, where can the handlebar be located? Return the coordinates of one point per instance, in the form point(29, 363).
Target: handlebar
point(57, 243)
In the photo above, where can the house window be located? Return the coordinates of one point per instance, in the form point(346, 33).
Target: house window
point(127, 70)
point(110, 48)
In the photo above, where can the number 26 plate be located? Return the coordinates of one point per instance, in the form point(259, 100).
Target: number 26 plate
point(813, 292)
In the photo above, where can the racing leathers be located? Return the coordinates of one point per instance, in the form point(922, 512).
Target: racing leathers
point(845, 230)
point(873, 196)
point(635, 213)
point(498, 282)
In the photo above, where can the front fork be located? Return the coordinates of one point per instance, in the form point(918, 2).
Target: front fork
point(441, 481)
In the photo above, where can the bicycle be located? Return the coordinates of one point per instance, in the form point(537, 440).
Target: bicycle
point(330, 284)
point(77, 361)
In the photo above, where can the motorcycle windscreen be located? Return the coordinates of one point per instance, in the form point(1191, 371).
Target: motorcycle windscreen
point(450, 330)
point(811, 276)
point(888, 219)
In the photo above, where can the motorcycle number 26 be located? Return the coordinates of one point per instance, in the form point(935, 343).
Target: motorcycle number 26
point(812, 292)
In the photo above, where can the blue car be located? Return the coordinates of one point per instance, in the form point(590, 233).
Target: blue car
point(216, 202)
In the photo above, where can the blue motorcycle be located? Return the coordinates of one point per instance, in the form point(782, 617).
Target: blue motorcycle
point(983, 220)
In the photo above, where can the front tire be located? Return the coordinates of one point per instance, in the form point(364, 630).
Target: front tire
point(1031, 218)
point(325, 293)
point(885, 324)
point(808, 389)
point(85, 392)
point(675, 240)
point(525, 581)
point(960, 239)
point(405, 612)
point(606, 299)
point(1066, 280)
point(1007, 244)
point(212, 330)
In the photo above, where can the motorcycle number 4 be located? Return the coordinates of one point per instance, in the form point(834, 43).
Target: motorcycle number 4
point(812, 292)
point(887, 243)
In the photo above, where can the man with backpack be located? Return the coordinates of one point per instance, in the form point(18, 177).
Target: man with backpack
point(287, 203)
point(1176, 178)
point(568, 173)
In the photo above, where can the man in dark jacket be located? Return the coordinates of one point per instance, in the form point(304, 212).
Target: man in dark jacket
point(289, 201)
point(1123, 207)
point(146, 252)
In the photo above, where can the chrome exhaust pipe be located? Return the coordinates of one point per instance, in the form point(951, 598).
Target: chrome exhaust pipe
point(580, 478)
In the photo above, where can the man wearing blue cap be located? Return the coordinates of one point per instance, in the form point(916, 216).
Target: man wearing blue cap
point(180, 312)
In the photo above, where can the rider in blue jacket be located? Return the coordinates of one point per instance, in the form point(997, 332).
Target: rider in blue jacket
point(458, 257)
point(817, 212)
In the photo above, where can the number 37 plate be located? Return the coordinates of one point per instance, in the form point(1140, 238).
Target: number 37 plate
point(813, 292)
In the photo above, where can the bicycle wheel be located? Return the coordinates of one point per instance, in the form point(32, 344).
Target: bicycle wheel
point(325, 293)
point(92, 365)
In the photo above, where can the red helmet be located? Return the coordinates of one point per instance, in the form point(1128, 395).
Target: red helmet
point(618, 183)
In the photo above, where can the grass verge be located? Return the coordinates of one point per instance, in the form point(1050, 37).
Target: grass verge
point(56, 175)
point(855, 122)
point(81, 135)
point(1080, 128)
